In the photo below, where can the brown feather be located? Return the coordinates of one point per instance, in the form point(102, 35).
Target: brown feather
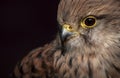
point(94, 53)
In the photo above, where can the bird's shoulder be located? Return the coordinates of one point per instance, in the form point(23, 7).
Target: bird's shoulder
point(38, 63)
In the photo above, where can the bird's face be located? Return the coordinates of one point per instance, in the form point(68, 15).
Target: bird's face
point(89, 23)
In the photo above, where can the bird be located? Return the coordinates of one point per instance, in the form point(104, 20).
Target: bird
point(87, 44)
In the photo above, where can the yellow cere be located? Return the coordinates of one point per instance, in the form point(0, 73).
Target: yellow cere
point(88, 22)
point(68, 27)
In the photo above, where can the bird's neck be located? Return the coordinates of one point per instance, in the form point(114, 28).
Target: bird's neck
point(90, 64)
point(88, 59)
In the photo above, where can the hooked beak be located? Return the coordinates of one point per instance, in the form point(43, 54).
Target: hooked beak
point(67, 31)
point(65, 34)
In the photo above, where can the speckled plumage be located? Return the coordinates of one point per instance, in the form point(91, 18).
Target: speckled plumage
point(93, 53)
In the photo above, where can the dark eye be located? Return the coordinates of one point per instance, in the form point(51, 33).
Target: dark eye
point(88, 22)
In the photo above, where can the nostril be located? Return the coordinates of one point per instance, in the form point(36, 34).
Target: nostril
point(70, 27)
point(67, 27)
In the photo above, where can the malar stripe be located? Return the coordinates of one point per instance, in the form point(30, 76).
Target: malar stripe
point(116, 68)
point(90, 70)
point(106, 73)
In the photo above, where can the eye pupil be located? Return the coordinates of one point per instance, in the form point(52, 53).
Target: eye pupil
point(90, 21)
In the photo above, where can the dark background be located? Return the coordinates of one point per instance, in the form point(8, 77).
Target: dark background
point(24, 25)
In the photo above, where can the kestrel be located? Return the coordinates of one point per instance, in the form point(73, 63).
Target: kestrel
point(87, 44)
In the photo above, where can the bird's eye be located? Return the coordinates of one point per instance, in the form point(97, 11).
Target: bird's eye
point(67, 27)
point(88, 22)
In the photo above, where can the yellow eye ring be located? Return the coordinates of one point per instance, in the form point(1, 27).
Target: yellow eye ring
point(88, 22)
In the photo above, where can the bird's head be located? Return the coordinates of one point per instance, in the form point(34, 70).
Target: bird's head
point(88, 24)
